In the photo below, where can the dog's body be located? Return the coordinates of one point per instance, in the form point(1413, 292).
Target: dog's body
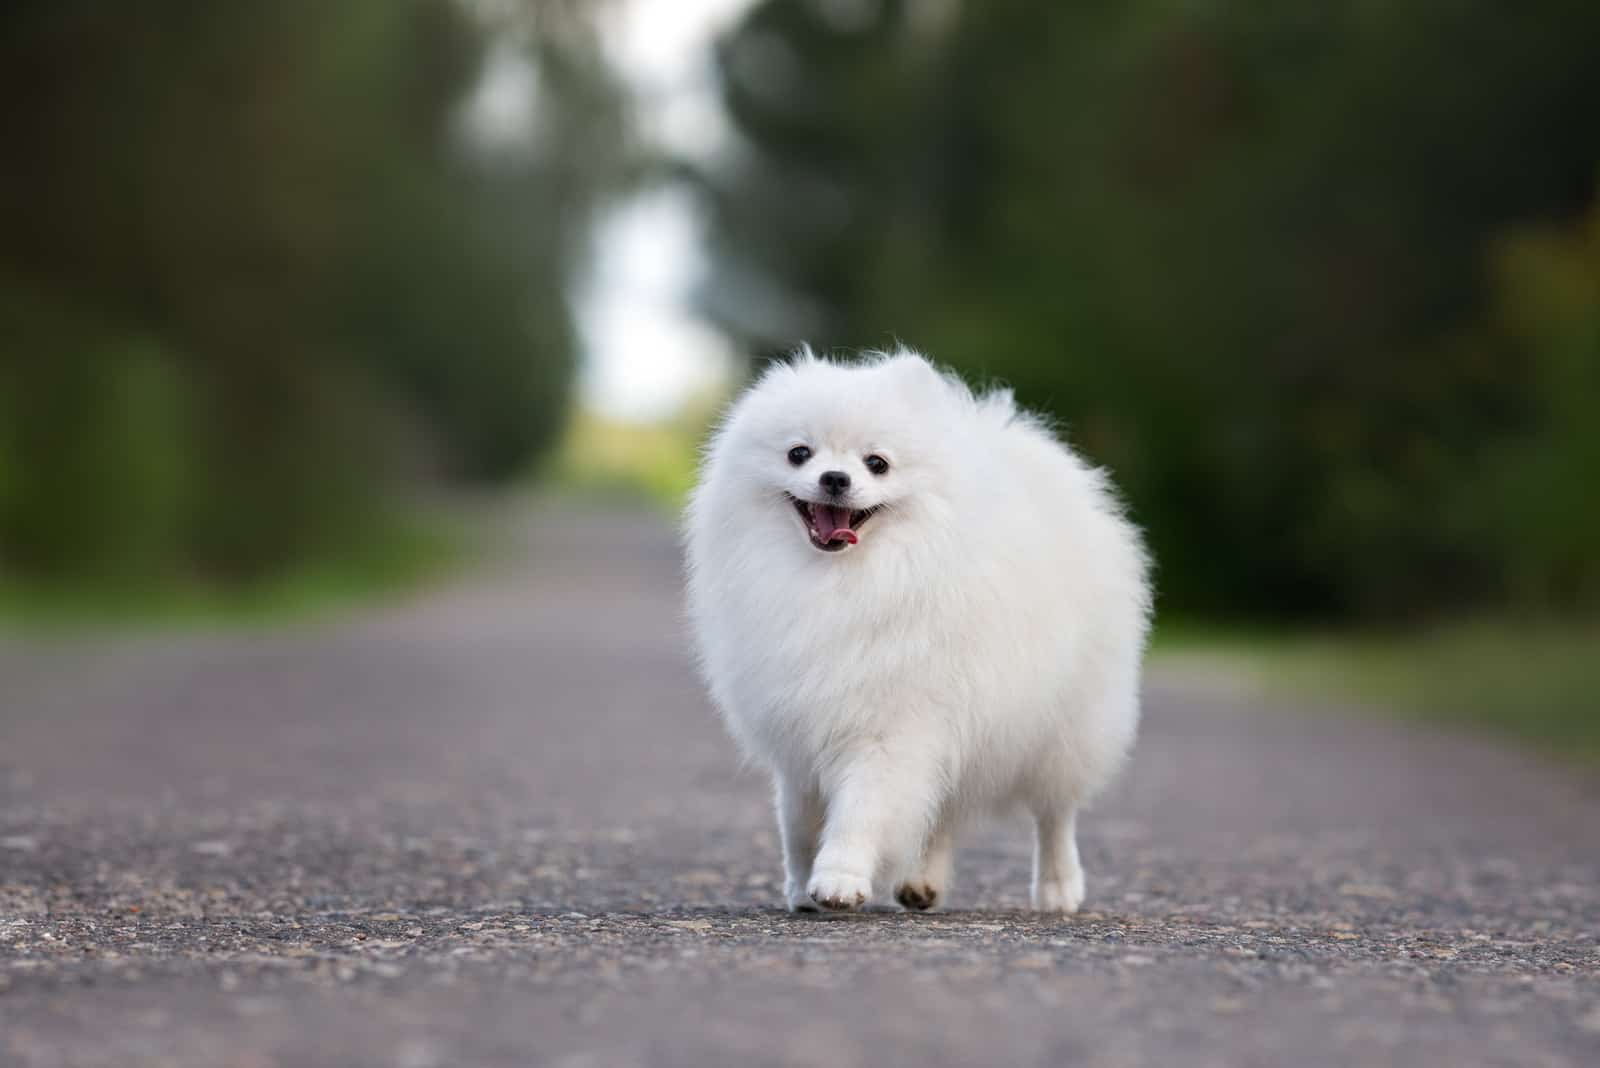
point(912, 605)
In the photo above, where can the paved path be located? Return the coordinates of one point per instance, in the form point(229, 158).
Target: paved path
point(499, 825)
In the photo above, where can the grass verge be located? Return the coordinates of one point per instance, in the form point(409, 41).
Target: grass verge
point(1538, 682)
point(606, 458)
point(401, 558)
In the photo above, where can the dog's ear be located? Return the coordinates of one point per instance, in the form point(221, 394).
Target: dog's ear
point(919, 377)
point(781, 367)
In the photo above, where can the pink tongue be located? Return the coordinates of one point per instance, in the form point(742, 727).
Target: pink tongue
point(832, 524)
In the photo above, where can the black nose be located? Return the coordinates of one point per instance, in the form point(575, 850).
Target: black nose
point(835, 482)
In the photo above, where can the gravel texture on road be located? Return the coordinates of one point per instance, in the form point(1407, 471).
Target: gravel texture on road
point(498, 824)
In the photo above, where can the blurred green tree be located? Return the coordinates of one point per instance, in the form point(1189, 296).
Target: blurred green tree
point(255, 271)
point(1235, 247)
point(1547, 320)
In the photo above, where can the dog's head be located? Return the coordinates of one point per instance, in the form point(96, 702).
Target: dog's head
point(843, 450)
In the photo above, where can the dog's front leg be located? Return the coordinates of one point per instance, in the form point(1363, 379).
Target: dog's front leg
point(1057, 872)
point(880, 803)
point(799, 806)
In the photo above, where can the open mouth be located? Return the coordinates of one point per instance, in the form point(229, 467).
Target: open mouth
point(830, 527)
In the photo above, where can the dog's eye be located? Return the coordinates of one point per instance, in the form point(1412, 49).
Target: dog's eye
point(799, 455)
point(877, 464)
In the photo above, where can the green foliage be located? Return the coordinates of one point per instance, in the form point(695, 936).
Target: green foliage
point(255, 276)
point(1547, 320)
point(95, 444)
point(1241, 250)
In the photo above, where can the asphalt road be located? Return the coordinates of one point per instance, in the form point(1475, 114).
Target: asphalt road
point(498, 824)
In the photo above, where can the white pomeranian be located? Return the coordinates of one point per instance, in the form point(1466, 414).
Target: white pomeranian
point(913, 604)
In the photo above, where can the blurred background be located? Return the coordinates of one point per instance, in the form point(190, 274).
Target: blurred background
point(283, 281)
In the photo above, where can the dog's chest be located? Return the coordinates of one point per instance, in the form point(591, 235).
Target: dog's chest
point(837, 653)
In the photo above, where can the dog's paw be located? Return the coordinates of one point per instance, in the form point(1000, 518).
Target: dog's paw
point(917, 896)
point(838, 891)
point(795, 896)
point(1059, 895)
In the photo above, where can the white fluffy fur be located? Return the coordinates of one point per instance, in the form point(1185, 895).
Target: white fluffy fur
point(978, 650)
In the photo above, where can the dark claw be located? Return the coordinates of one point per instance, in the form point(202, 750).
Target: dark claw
point(920, 898)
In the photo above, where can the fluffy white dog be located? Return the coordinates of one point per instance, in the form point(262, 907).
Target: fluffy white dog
point(913, 604)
